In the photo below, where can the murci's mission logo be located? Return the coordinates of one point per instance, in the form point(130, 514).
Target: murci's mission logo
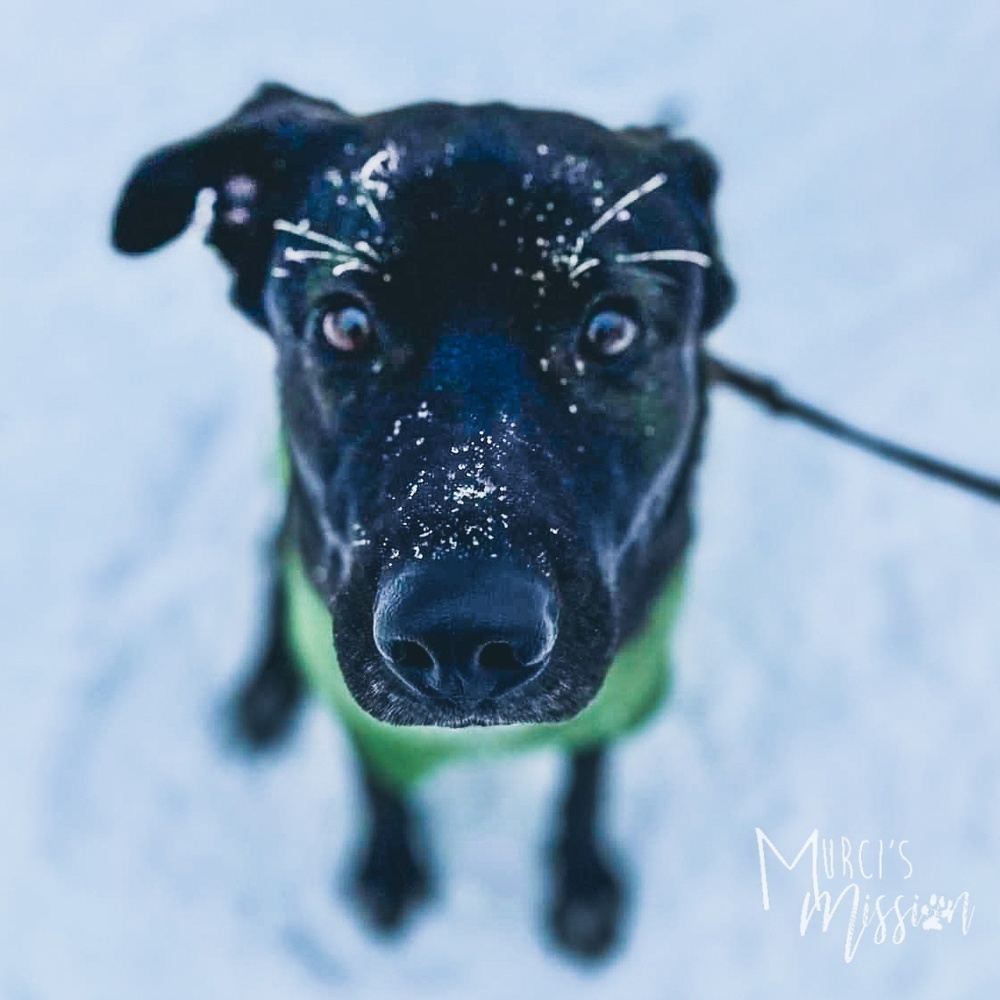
point(852, 876)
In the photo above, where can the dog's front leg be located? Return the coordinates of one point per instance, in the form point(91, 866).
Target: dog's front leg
point(391, 877)
point(268, 699)
point(588, 894)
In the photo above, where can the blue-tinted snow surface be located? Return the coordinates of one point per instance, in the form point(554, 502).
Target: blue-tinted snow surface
point(839, 658)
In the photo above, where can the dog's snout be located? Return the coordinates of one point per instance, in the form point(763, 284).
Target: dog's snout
point(463, 630)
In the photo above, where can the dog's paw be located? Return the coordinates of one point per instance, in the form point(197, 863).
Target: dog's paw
point(389, 882)
point(264, 709)
point(587, 909)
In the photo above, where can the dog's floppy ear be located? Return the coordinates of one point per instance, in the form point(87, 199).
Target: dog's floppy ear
point(694, 174)
point(256, 162)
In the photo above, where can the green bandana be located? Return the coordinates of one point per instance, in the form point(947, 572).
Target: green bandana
point(401, 755)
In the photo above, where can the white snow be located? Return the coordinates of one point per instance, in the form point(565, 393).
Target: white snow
point(838, 663)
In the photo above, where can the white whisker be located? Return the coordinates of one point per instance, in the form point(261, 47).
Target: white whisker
point(302, 229)
point(585, 266)
point(300, 256)
point(385, 161)
point(688, 256)
point(328, 241)
point(298, 228)
point(352, 265)
point(654, 182)
point(366, 248)
point(369, 205)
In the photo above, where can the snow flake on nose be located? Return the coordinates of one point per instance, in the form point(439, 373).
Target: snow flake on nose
point(423, 413)
point(482, 487)
point(452, 504)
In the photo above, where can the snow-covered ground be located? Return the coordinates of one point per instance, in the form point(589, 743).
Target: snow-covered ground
point(838, 666)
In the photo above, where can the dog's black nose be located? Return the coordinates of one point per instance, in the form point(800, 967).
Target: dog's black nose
point(464, 630)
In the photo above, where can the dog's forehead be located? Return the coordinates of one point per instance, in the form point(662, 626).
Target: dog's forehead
point(484, 186)
point(516, 136)
point(473, 152)
point(492, 205)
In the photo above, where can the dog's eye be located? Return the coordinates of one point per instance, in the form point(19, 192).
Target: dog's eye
point(609, 333)
point(347, 328)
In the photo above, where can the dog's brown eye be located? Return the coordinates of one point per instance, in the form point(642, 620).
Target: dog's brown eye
point(347, 328)
point(609, 333)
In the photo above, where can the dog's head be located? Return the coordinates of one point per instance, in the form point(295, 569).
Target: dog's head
point(487, 323)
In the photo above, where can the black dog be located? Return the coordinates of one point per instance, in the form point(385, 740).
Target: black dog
point(488, 326)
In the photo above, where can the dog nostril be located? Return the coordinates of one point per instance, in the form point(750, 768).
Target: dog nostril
point(410, 655)
point(465, 632)
point(498, 656)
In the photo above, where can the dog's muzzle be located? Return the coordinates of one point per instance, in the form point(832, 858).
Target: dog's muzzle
point(465, 630)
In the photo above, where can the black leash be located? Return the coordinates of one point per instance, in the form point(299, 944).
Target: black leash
point(772, 397)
